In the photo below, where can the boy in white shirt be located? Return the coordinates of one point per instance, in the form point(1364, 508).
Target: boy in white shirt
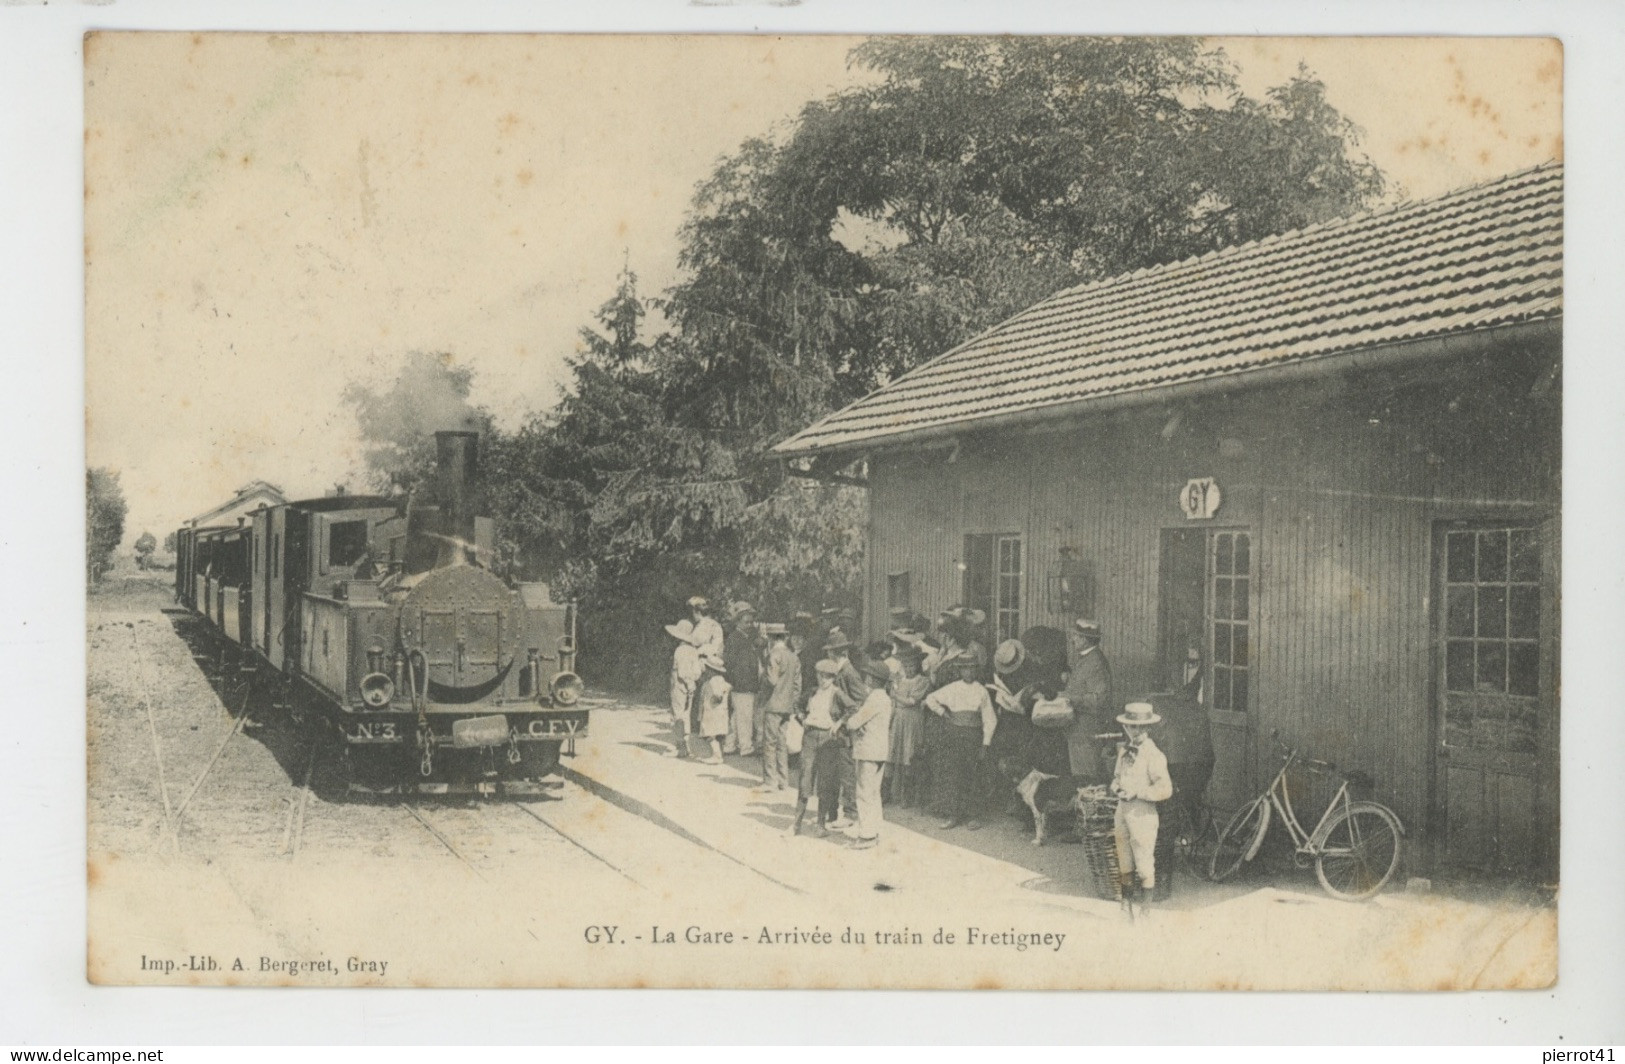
point(1140, 780)
point(817, 728)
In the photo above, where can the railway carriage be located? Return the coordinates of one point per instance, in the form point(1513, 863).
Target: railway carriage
point(389, 633)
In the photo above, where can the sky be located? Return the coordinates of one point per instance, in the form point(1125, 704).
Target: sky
point(270, 218)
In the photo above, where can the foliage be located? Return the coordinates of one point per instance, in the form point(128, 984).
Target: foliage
point(104, 520)
point(973, 178)
point(145, 544)
point(965, 180)
point(169, 543)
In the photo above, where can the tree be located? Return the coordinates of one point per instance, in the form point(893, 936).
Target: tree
point(104, 520)
point(169, 543)
point(974, 177)
point(969, 179)
point(144, 546)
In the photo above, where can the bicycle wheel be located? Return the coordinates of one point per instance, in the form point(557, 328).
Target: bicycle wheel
point(1359, 852)
point(1240, 839)
point(1197, 833)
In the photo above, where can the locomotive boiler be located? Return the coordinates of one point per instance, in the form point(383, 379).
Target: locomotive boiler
point(387, 629)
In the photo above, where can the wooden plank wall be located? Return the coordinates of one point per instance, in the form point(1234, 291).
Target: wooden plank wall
point(1340, 484)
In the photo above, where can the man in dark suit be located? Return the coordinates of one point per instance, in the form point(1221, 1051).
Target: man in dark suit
point(1089, 689)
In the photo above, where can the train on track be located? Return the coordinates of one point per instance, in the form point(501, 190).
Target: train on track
point(384, 629)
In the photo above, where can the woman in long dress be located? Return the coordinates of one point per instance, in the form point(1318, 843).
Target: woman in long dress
point(908, 691)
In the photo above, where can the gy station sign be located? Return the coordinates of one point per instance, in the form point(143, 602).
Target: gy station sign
point(1200, 498)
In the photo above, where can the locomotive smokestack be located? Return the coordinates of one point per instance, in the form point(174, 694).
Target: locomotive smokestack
point(457, 464)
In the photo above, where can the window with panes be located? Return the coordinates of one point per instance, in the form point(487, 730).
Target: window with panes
point(1492, 611)
point(1229, 600)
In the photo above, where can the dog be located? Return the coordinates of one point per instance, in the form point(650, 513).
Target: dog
point(1044, 795)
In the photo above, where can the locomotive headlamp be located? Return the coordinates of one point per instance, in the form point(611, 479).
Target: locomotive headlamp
point(377, 689)
point(566, 687)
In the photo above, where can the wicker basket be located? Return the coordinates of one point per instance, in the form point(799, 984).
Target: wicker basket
point(1097, 815)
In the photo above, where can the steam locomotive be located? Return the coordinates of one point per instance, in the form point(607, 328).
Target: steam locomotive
point(381, 623)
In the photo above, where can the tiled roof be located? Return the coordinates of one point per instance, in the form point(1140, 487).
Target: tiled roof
point(1486, 256)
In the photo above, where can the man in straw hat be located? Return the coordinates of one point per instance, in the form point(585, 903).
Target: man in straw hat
point(1140, 780)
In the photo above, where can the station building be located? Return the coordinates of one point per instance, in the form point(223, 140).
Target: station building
point(1330, 459)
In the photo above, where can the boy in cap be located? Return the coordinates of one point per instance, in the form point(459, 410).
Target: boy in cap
point(818, 726)
point(870, 729)
point(1139, 780)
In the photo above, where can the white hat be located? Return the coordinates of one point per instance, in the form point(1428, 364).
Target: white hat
point(1139, 713)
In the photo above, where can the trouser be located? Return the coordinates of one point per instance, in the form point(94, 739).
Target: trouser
point(848, 769)
point(742, 721)
point(812, 743)
point(833, 757)
point(953, 767)
point(682, 700)
point(1136, 830)
point(775, 755)
point(870, 813)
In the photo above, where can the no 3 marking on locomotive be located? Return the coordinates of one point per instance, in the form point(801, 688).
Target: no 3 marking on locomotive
point(381, 621)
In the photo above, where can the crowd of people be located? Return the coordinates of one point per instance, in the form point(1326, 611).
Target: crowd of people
point(927, 718)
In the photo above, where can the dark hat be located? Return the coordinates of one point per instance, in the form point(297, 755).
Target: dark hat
point(910, 652)
point(1009, 657)
point(1088, 628)
point(877, 672)
point(974, 617)
point(837, 640)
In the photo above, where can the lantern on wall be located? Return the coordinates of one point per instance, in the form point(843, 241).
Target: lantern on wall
point(1070, 585)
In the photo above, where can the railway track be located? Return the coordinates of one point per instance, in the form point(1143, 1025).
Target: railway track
point(492, 813)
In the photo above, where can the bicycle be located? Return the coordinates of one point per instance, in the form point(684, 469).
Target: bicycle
point(1355, 846)
point(1196, 830)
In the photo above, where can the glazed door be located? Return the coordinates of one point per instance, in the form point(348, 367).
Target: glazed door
point(1206, 597)
point(1494, 624)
